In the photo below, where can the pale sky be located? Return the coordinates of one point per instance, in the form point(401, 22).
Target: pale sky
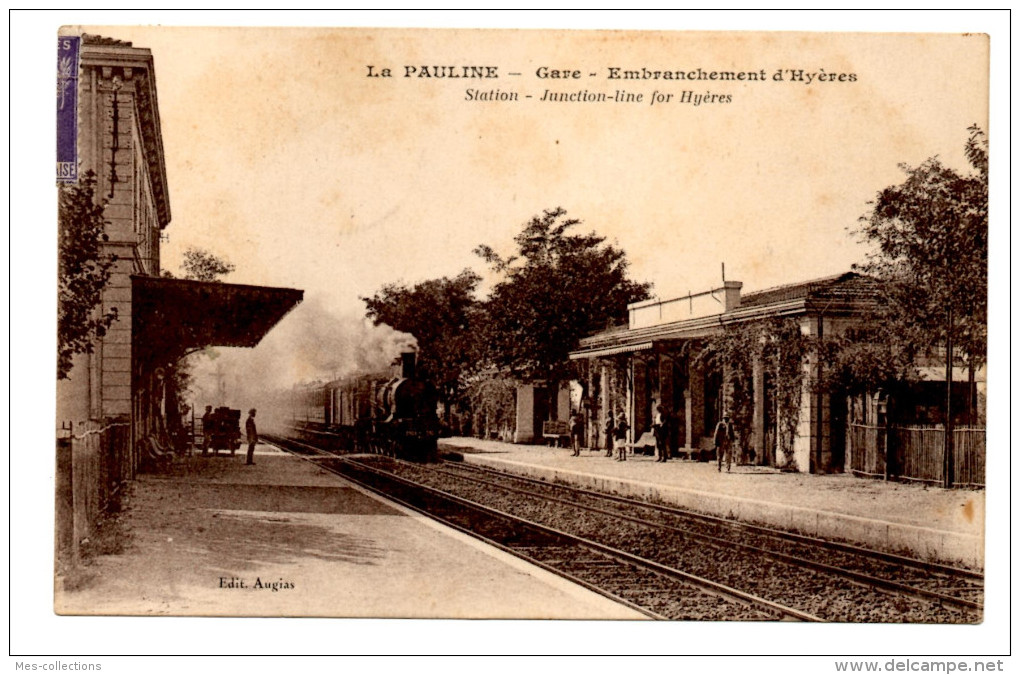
point(285, 158)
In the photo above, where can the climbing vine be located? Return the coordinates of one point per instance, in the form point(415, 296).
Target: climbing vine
point(616, 395)
point(780, 348)
point(785, 350)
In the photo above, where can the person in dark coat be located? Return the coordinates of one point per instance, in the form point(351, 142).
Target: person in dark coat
point(724, 442)
point(576, 429)
point(206, 429)
point(610, 432)
point(660, 429)
point(253, 436)
point(621, 436)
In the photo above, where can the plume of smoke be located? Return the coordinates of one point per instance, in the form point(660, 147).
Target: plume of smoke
point(311, 344)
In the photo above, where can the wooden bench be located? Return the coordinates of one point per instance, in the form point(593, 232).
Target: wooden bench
point(158, 455)
point(556, 432)
point(646, 444)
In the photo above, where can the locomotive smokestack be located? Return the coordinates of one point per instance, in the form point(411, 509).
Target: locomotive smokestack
point(407, 363)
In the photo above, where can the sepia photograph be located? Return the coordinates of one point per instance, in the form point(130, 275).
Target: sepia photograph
point(610, 326)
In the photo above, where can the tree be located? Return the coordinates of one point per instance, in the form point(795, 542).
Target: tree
point(443, 316)
point(931, 255)
point(201, 265)
point(559, 288)
point(493, 406)
point(862, 360)
point(83, 273)
point(931, 233)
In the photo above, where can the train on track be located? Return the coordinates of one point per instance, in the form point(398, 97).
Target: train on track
point(392, 413)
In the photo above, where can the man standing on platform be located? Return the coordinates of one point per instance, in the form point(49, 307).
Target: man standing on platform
point(660, 429)
point(724, 442)
point(253, 436)
point(206, 429)
point(621, 436)
point(576, 429)
point(610, 432)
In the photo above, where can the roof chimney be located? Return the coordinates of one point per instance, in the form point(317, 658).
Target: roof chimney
point(732, 289)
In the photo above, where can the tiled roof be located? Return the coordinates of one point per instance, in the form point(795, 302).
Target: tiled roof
point(846, 293)
point(849, 285)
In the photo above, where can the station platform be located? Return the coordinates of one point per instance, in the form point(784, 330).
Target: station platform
point(930, 522)
point(284, 538)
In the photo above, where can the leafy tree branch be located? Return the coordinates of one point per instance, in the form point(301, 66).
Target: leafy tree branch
point(83, 273)
point(558, 288)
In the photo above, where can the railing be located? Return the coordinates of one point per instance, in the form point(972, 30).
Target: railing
point(93, 459)
point(916, 453)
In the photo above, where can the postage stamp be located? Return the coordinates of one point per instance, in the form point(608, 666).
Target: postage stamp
point(67, 107)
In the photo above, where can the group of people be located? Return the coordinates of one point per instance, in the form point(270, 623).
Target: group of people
point(250, 431)
point(615, 430)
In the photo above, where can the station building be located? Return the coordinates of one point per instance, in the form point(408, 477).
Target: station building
point(663, 357)
point(659, 358)
point(113, 409)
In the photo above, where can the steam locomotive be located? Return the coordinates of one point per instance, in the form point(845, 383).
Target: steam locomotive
point(390, 413)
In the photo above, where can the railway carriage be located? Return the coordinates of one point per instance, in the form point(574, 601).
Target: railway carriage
point(391, 413)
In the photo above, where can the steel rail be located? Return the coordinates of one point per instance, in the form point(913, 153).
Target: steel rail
point(698, 583)
point(319, 453)
point(863, 580)
point(866, 580)
point(623, 556)
point(923, 565)
point(278, 441)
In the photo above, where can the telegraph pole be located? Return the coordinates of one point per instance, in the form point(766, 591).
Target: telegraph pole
point(947, 441)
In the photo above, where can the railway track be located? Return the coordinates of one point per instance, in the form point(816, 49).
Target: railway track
point(812, 581)
point(819, 579)
point(953, 586)
point(651, 588)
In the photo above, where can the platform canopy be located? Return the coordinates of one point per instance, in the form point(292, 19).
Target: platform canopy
point(171, 317)
point(610, 351)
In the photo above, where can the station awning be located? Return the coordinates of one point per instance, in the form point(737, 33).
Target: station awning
point(171, 317)
point(609, 351)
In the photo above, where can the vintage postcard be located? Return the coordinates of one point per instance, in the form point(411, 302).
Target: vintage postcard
point(522, 324)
